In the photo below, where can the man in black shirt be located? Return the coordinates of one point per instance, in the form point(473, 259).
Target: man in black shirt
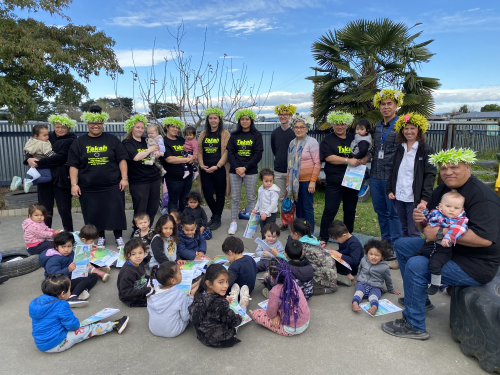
point(476, 255)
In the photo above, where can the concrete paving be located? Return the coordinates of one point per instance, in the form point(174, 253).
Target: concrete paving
point(337, 340)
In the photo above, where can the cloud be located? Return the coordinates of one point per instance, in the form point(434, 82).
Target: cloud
point(230, 57)
point(462, 96)
point(248, 26)
point(472, 19)
point(232, 70)
point(472, 10)
point(143, 57)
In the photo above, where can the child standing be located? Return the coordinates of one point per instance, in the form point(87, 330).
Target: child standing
point(243, 269)
point(35, 230)
point(350, 249)
point(372, 274)
point(191, 242)
point(267, 198)
point(213, 319)
point(190, 148)
point(155, 139)
point(362, 140)
point(164, 242)
point(132, 280)
point(144, 232)
point(270, 232)
point(193, 208)
point(167, 305)
point(55, 327)
point(449, 214)
point(287, 311)
point(37, 147)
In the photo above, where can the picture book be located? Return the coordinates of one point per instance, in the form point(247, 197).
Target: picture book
point(263, 244)
point(238, 310)
point(263, 304)
point(338, 259)
point(220, 259)
point(121, 258)
point(353, 177)
point(253, 226)
point(98, 316)
point(384, 307)
point(187, 280)
point(103, 257)
point(82, 261)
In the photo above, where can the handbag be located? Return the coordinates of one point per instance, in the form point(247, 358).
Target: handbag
point(287, 211)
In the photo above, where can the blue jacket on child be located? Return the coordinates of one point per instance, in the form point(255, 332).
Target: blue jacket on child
point(51, 319)
point(188, 246)
point(54, 262)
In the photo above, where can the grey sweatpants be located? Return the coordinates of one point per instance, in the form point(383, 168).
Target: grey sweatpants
point(280, 181)
point(250, 181)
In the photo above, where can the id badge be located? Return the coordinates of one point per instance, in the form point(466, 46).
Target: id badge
point(381, 154)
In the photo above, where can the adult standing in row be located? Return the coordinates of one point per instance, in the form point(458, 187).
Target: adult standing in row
point(214, 168)
point(303, 170)
point(335, 151)
point(59, 188)
point(280, 140)
point(244, 151)
point(384, 148)
point(144, 180)
point(178, 186)
point(98, 173)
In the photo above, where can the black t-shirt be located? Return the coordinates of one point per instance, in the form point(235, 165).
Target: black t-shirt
point(334, 145)
point(97, 161)
point(244, 149)
point(211, 149)
point(138, 172)
point(482, 208)
point(175, 172)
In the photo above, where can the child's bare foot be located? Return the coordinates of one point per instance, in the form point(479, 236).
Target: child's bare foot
point(355, 307)
point(351, 277)
point(372, 310)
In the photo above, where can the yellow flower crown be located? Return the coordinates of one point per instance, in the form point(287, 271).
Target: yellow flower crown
point(411, 118)
point(282, 108)
point(395, 95)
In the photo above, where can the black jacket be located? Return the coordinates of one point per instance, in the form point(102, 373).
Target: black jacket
point(132, 284)
point(424, 173)
point(304, 274)
point(380, 168)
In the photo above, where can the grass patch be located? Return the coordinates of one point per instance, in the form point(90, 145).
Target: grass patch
point(486, 177)
point(488, 155)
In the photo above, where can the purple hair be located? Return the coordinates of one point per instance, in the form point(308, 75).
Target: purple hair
point(280, 270)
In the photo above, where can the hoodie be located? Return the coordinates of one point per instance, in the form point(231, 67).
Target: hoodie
point(51, 319)
point(375, 274)
point(54, 262)
point(36, 233)
point(267, 200)
point(188, 246)
point(168, 312)
point(325, 270)
point(304, 274)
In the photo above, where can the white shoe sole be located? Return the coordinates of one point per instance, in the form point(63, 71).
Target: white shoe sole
point(78, 304)
point(123, 326)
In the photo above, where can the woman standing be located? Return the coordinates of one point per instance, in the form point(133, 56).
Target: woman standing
point(303, 170)
point(144, 180)
point(98, 173)
point(335, 151)
point(178, 186)
point(59, 188)
point(214, 168)
point(244, 151)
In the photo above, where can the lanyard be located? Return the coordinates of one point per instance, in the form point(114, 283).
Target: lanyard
point(382, 138)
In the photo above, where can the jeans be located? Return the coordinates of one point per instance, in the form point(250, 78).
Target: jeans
point(177, 192)
point(214, 182)
point(405, 213)
point(304, 206)
point(45, 176)
point(388, 220)
point(416, 277)
point(145, 198)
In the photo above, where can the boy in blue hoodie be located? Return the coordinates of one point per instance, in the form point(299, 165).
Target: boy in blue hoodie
point(55, 327)
point(191, 242)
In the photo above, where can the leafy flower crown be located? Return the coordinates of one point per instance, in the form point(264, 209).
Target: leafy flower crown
point(245, 113)
point(282, 108)
point(129, 124)
point(63, 120)
point(90, 117)
point(453, 156)
point(336, 118)
point(170, 121)
point(395, 95)
point(214, 111)
point(411, 118)
point(298, 118)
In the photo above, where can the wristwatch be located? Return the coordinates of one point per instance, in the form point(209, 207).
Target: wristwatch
point(440, 234)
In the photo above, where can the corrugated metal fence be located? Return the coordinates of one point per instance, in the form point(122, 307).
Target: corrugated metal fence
point(480, 136)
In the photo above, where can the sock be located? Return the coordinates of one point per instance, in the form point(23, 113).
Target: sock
point(186, 173)
point(433, 289)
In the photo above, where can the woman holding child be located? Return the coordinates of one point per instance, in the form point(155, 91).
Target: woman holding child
point(144, 179)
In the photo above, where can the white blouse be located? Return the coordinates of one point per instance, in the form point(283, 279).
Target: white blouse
point(404, 183)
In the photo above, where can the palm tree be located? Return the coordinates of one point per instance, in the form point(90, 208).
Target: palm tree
point(363, 58)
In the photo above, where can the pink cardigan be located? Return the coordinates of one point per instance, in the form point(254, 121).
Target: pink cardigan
point(191, 146)
point(35, 233)
point(273, 306)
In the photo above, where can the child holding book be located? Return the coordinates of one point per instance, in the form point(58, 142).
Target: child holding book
point(87, 236)
point(193, 208)
point(55, 327)
point(164, 242)
point(191, 242)
point(287, 311)
point(350, 249)
point(267, 198)
point(372, 274)
point(36, 232)
point(213, 319)
point(271, 233)
point(132, 280)
point(242, 270)
point(168, 305)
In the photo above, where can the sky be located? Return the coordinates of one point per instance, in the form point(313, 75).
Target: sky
point(269, 43)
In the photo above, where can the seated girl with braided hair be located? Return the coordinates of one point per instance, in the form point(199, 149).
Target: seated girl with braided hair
point(287, 311)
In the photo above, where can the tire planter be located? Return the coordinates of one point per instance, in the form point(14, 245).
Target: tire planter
point(475, 322)
point(28, 264)
point(365, 196)
point(19, 199)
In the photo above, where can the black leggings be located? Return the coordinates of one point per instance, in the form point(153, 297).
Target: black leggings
point(83, 283)
point(117, 232)
point(214, 182)
point(46, 194)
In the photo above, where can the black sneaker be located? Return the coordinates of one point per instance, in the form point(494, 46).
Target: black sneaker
point(77, 302)
point(210, 222)
point(401, 328)
point(428, 304)
point(392, 255)
point(120, 324)
point(283, 227)
point(216, 223)
point(4, 278)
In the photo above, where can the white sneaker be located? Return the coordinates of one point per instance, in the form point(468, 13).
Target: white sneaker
point(233, 228)
point(244, 294)
point(84, 295)
point(27, 185)
point(33, 173)
point(119, 242)
point(101, 242)
point(16, 182)
point(235, 292)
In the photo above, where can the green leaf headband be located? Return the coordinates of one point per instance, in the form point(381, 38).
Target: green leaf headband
point(338, 118)
point(214, 111)
point(411, 118)
point(297, 119)
point(90, 117)
point(282, 108)
point(63, 120)
point(171, 121)
point(395, 95)
point(129, 124)
point(245, 113)
point(453, 156)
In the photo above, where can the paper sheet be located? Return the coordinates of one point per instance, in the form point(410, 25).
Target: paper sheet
point(384, 307)
point(252, 226)
point(82, 261)
point(353, 177)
